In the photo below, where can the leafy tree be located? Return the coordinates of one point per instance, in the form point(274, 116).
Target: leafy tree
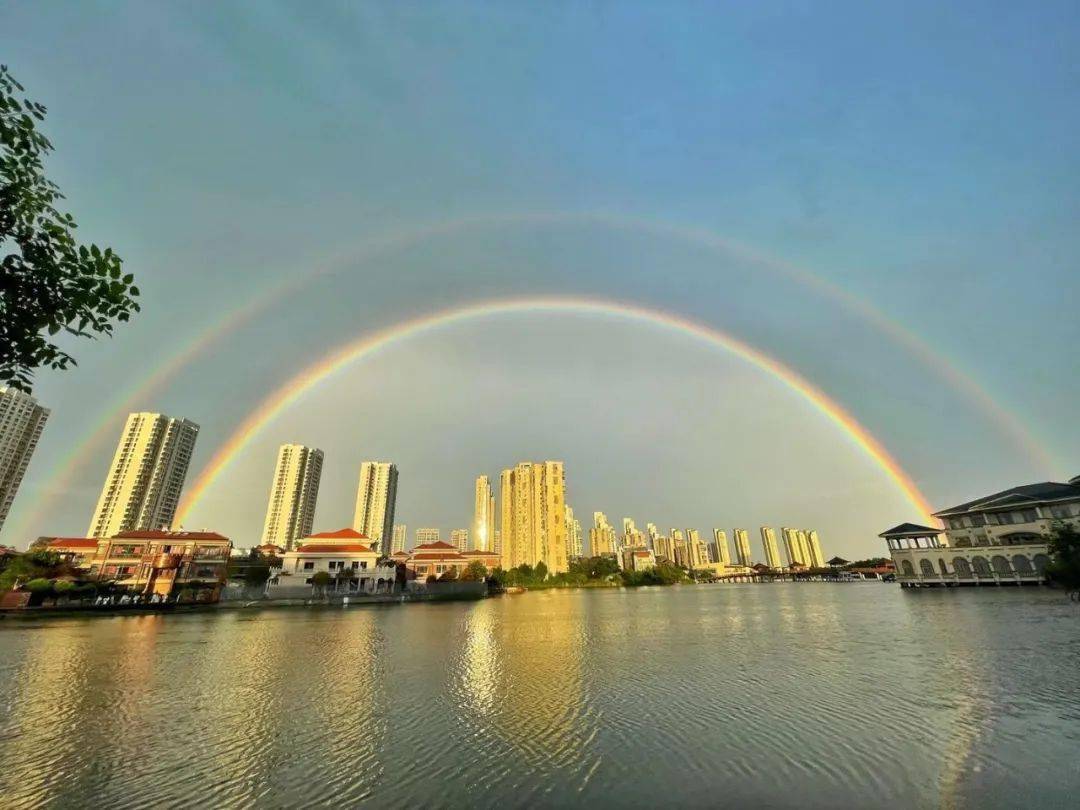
point(320, 580)
point(49, 283)
point(475, 572)
point(541, 571)
point(449, 575)
point(33, 565)
point(1064, 567)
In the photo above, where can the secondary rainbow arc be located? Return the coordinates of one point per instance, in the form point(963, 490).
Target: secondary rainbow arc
point(291, 391)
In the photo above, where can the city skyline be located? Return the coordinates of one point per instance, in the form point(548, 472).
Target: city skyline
point(772, 218)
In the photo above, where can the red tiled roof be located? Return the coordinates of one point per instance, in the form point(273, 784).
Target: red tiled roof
point(478, 553)
point(400, 554)
point(436, 555)
point(340, 534)
point(161, 535)
point(438, 544)
point(343, 548)
point(74, 542)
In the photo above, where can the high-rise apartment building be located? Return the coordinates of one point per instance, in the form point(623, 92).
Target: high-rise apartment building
point(793, 547)
point(602, 540)
point(742, 548)
point(817, 557)
point(290, 511)
point(497, 546)
point(21, 423)
point(459, 539)
point(426, 535)
point(574, 537)
point(804, 547)
point(664, 548)
point(723, 553)
point(534, 515)
point(147, 475)
point(484, 515)
point(632, 537)
point(401, 537)
point(768, 542)
point(697, 552)
point(375, 499)
point(652, 533)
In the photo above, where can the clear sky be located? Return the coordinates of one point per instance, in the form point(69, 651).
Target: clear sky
point(920, 159)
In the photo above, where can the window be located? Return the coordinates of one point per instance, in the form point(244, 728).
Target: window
point(309, 566)
point(1027, 516)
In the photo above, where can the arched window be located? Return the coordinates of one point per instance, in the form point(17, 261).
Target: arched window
point(1041, 561)
point(944, 568)
point(907, 568)
point(1001, 565)
point(981, 566)
point(1021, 564)
point(962, 567)
point(926, 567)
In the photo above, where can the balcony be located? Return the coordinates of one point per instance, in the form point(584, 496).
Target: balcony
point(167, 562)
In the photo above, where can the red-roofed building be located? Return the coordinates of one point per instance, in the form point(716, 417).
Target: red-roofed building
point(162, 564)
point(348, 556)
point(435, 559)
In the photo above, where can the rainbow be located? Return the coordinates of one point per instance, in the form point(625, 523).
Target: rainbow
point(366, 345)
point(60, 476)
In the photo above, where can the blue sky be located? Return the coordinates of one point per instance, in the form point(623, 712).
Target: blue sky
point(919, 157)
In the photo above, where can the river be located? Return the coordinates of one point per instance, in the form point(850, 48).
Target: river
point(799, 695)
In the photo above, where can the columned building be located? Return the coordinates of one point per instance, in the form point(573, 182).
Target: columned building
point(999, 539)
point(21, 423)
point(290, 510)
point(146, 478)
point(375, 499)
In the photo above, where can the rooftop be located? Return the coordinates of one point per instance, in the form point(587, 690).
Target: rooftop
point(340, 534)
point(910, 530)
point(1026, 494)
point(334, 548)
point(143, 534)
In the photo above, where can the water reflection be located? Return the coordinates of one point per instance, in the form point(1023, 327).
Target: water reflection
point(787, 695)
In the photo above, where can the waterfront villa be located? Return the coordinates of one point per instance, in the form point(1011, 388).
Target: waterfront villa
point(1000, 539)
point(335, 553)
point(160, 563)
point(435, 559)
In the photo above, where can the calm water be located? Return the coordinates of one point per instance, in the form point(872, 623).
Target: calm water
point(786, 695)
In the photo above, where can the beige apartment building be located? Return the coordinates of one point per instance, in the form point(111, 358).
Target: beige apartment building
point(743, 556)
point(401, 533)
point(146, 478)
point(290, 509)
point(427, 535)
point(21, 421)
point(459, 539)
point(375, 499)
point(484, 515)
point(602, 539)
point(723, 553)
point(575, 547)
point(813, 548)
point(772, 553)
point(534, 515)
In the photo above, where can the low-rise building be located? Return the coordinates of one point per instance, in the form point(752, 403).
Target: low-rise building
point(345, 555)
point(153, 563)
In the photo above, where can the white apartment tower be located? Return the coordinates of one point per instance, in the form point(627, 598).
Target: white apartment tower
point(375, 498)
point(793, 547)
point(147, 475)
point(574, 536)
point(742, 548)
point(534, 516)
point(768, 542)
point(427, 535)
point(459, 539)
point(484, 516)
point(21, 423)
point(290, 511)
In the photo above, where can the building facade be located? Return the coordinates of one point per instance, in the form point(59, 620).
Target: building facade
point(153, 563)
point(459, 539)
point(484, 515)
point(602, 540)
point(999, 539)
point(743, 556)
point(21, 421)
point(720, 547)
point(772, 553)
point(375, 499)
point(345, 554)
point(147, 475)
point(427, 535)
point(575, 547)
point(290, 509)
point(813, 548)
point(401, 535)
point(534, 516)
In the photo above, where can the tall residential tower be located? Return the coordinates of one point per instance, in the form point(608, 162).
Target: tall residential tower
point(484, 516)
point(375, 498)
point(290, 512)
point(147, 475)
point(768, 542)
point(21, 423)
point(742, 548)
point(534, 516)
